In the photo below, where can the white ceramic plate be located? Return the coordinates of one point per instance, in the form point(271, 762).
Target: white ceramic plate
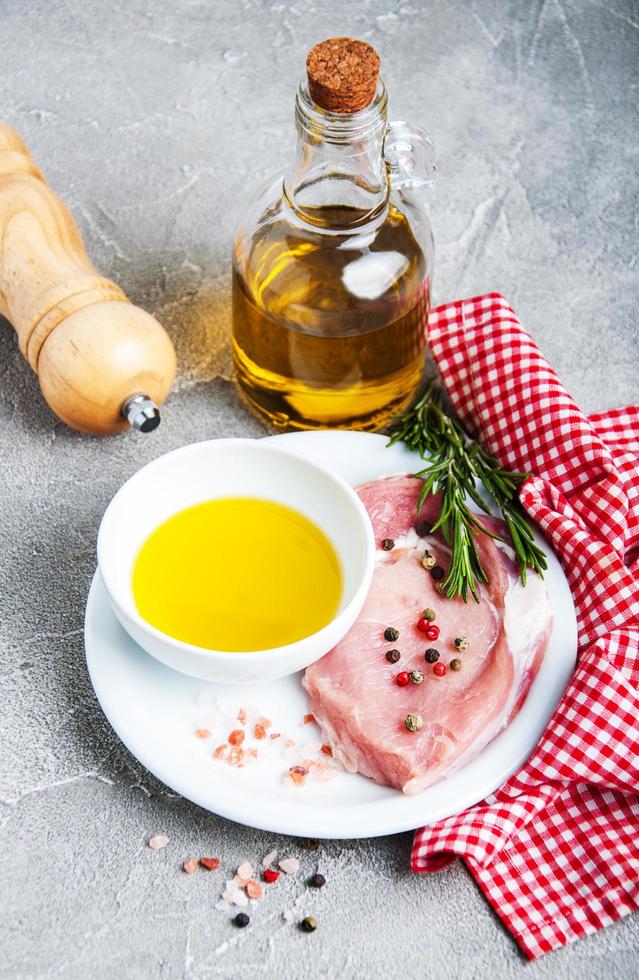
point(155, 710)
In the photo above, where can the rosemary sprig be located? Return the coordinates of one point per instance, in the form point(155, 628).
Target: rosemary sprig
point(454, 463)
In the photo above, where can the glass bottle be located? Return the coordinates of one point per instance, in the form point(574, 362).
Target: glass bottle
point(332, 265)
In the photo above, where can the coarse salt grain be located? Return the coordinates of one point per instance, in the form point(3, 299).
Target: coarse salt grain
point(298, 774)
point(288, 915)
point(269, 859)
point(210, 863)
point(158, 841)
point(290, 866)
point(245, 870)
point(222, 906)
point(253, 889)
point(240, 899)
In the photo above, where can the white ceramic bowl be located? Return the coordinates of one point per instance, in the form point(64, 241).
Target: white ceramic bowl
point(231, 468)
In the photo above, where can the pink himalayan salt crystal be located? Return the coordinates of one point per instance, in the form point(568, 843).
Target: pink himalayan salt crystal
point(274, 735)
point(290, 866)
point(190, 866)
point(264, 722)
point(240, 882)
point(237, 756)
point(298, 774)
point(253, 889)
point(245, 870)
point(241, 716)
point(288, 780)
point(269, 859)
point(158, 841)
point(202, 733)
point(321, 771)
point(222, 752)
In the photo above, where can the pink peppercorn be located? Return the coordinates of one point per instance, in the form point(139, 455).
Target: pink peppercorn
point(439, 669)
point(432, 632)
point(403, 678)
point(270, 876)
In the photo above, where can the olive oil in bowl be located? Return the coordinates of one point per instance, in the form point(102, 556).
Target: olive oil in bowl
point(237, 574)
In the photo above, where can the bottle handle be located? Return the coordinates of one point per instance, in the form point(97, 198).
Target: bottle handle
point(409, 153)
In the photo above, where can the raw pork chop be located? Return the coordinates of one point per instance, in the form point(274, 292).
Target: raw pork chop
point(353, 692)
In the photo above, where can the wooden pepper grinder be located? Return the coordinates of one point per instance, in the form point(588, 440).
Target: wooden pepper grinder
point(103, 364)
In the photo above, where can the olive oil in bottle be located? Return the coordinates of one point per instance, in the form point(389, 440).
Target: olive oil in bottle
point(331, 278)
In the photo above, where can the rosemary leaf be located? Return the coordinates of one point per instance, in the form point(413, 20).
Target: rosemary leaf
point(454, 463)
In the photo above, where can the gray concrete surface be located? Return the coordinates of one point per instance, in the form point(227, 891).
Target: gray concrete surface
point(154, 121)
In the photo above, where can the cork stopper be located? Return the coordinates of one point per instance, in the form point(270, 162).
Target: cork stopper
point(342, 74)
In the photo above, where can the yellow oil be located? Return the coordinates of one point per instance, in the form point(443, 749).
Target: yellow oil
point(237, 574)
point(319, 341)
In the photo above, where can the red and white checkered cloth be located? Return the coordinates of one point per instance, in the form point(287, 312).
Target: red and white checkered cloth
point(556, 849)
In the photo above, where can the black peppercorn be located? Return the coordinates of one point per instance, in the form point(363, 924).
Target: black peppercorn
point(437, 572)
point(388, 544)
point(309, 924)
point(431, 656)
point(241, 920)
point(422, 529)
point(317, 881)
point(393, 656)
point(391, 634)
